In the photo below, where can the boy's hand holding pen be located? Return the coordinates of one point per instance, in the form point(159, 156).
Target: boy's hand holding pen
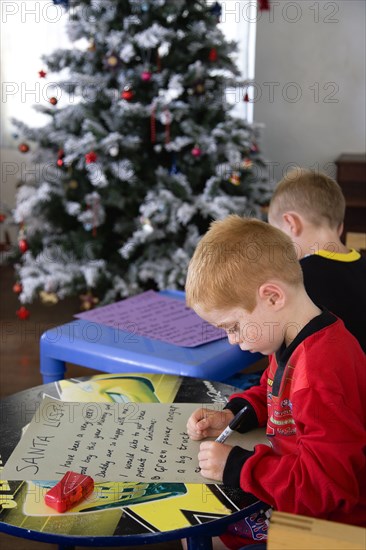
point(208, 423)
point(213, 455)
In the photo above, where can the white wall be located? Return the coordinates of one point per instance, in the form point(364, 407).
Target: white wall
point(320, 47)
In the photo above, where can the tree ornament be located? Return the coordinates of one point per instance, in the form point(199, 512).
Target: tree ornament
point(2, 218)
point(113, 151)
point(53, 100)
point(42, 74)
point(198, 88)
point(48, 298)
point(196, 151)
point(254, 149)
point(23, 245)
point(60, 157)
point(247, 163)
point(216, 10)
point(146, 225)
point(88, 301)
point(17, 287)
point(246, 97)
point(213, 55)
point(112, 61)
point(23, 147)
point(127, 93)
point(22, 313)
point(235, 178)
point(146, 76)
point(73, 184)
point(22, 241)
point(91, 157)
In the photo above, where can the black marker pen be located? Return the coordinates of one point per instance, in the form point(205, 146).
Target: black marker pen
point(235, 423)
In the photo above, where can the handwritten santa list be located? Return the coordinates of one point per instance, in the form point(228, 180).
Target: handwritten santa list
point(141, 442)
point(108, 441)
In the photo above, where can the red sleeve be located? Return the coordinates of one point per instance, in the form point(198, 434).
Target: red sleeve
point(327, 470)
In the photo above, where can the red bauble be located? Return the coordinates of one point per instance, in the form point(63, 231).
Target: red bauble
point(90, 157)
point(23, 313)
point(60, 157)
point(196, 151)
point(42, 74)
point(213, 54)
point(23, 245)
point(127, 94)
point(23, 147)
point(17, 288)
point(235, 178)
point(146, 76)
point(246, 97)
point(2, 218)
point(53, 100)
point(88, 301)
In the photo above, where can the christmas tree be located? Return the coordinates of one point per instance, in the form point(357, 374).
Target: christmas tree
point(144, 155)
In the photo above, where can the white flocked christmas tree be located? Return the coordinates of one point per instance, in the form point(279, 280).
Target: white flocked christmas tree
point(139, 160)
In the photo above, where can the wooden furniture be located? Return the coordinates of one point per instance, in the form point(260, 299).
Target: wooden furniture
point(119, 513)
point(356, 240)
point(289, 531)
point(351, 176)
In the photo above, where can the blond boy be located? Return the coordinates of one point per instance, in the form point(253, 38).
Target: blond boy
point(309, 207)
point(244, 277)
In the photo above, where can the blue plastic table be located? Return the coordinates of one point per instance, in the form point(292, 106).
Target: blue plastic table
point(112, 350)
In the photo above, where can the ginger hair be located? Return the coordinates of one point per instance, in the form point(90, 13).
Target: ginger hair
point(234, 258)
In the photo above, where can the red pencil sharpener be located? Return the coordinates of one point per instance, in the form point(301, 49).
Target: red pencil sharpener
point(69, 491)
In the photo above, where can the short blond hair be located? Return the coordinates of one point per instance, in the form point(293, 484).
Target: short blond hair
point(234, 258)
point(314, 195)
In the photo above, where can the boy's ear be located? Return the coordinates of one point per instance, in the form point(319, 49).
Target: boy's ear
point(272, 294)
point(293, 222)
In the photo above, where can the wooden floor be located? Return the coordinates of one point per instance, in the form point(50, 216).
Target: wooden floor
point(19, 366)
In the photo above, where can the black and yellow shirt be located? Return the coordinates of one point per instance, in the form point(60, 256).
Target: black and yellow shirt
point(338, 282)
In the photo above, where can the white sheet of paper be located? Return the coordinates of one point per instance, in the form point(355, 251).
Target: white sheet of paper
point(144, 442)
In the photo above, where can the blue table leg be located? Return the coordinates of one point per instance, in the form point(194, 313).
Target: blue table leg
point(199, 543)
point(52, 369)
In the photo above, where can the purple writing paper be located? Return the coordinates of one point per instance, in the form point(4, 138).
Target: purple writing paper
point(158, 317)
